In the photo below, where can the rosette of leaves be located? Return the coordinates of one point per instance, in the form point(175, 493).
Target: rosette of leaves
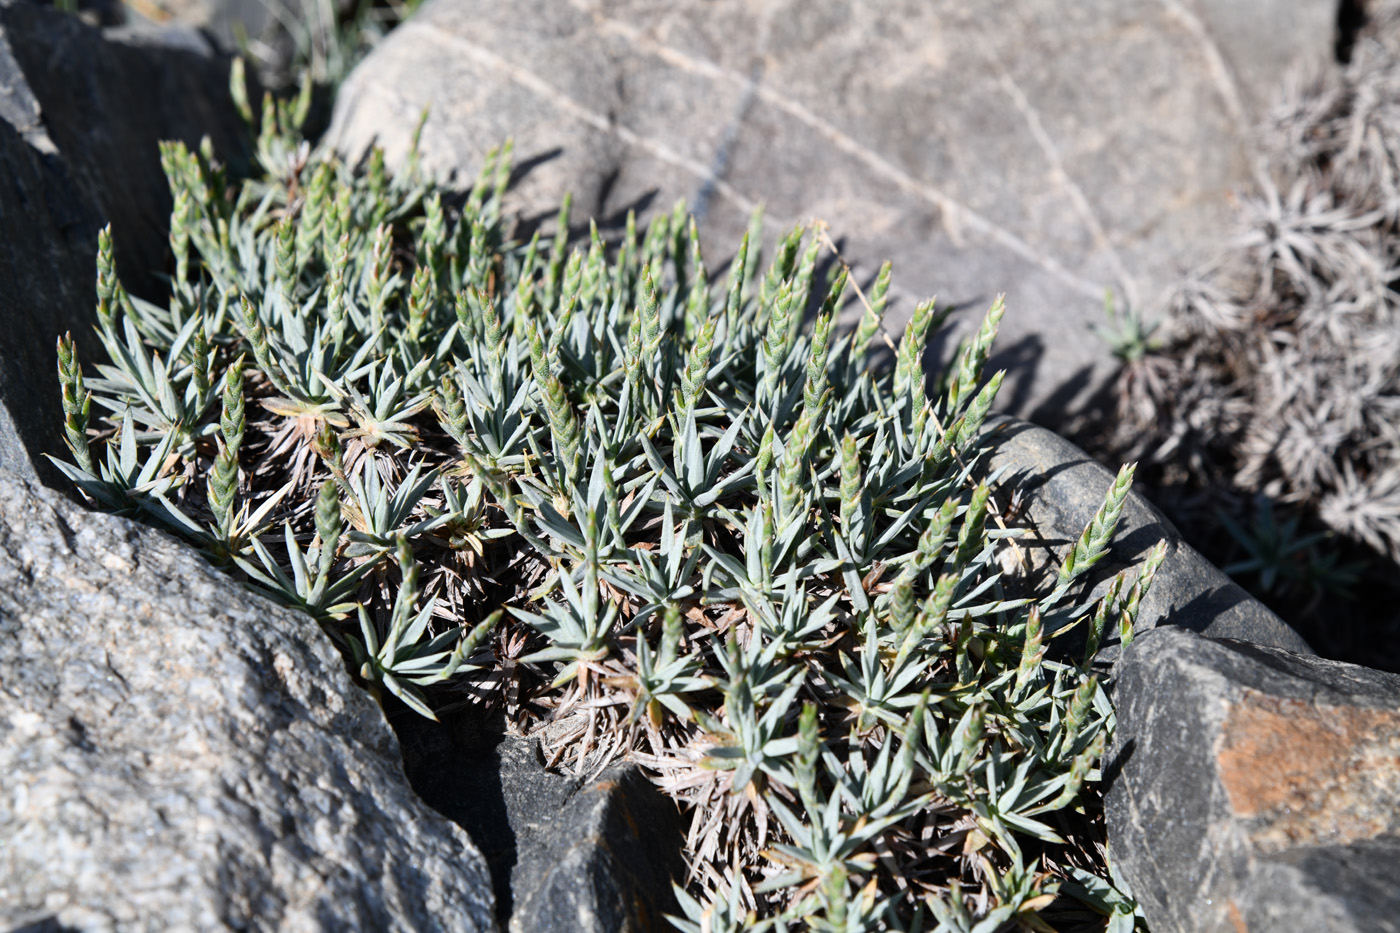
point(646, 514)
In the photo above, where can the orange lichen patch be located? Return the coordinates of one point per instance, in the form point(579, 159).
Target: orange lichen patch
point(1303, 774)
point(1236, 918)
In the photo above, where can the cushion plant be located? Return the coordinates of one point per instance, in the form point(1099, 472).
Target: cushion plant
point(636, 512)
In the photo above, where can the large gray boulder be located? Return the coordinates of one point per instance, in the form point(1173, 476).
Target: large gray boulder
point(1253, 788)
point(81, 113)
point(1051, 149)
point(179, 754)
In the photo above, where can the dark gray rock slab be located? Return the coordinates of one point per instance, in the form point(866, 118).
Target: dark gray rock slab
point(81, 113)
point(606, 862)
point(1048, 149)
point(45, 289)
point(1063, 488)
point(179, 754)
point(565, 853)
point(1252, 788)
point(106, 98)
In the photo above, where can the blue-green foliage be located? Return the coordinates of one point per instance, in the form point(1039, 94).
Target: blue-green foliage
point(647, 515)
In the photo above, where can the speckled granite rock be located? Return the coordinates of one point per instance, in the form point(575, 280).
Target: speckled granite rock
point(1254, 789)
point(1050, 149)
point(81, 112)
point(179, 754)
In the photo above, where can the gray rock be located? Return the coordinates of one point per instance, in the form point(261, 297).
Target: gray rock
point(105, 99)
point(80, 115)
point(595, 856)
point(180, 754)
point(1063, 487)
point(270, 33)
point(1255, 789)
point(45, 289)
point(1046, 148)
point(606, 862)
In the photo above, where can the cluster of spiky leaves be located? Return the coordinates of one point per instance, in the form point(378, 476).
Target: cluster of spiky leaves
point(642, 515)
point(1283, 377)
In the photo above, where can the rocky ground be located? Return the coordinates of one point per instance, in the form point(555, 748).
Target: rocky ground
point(180, 754)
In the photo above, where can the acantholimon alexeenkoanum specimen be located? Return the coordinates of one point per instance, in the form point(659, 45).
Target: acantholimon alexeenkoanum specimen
point(640, 513)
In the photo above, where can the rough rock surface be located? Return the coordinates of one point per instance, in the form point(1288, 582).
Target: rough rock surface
point(81, 112)
point(1050, 149)
point(606, 863)
point(1063, 487)
point(180, 754)
point(593, 856)
point(1255, 789)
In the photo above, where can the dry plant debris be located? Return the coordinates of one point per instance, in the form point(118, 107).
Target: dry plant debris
point(1280, 374)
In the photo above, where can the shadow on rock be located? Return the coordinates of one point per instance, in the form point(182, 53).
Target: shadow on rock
point(564, 853)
